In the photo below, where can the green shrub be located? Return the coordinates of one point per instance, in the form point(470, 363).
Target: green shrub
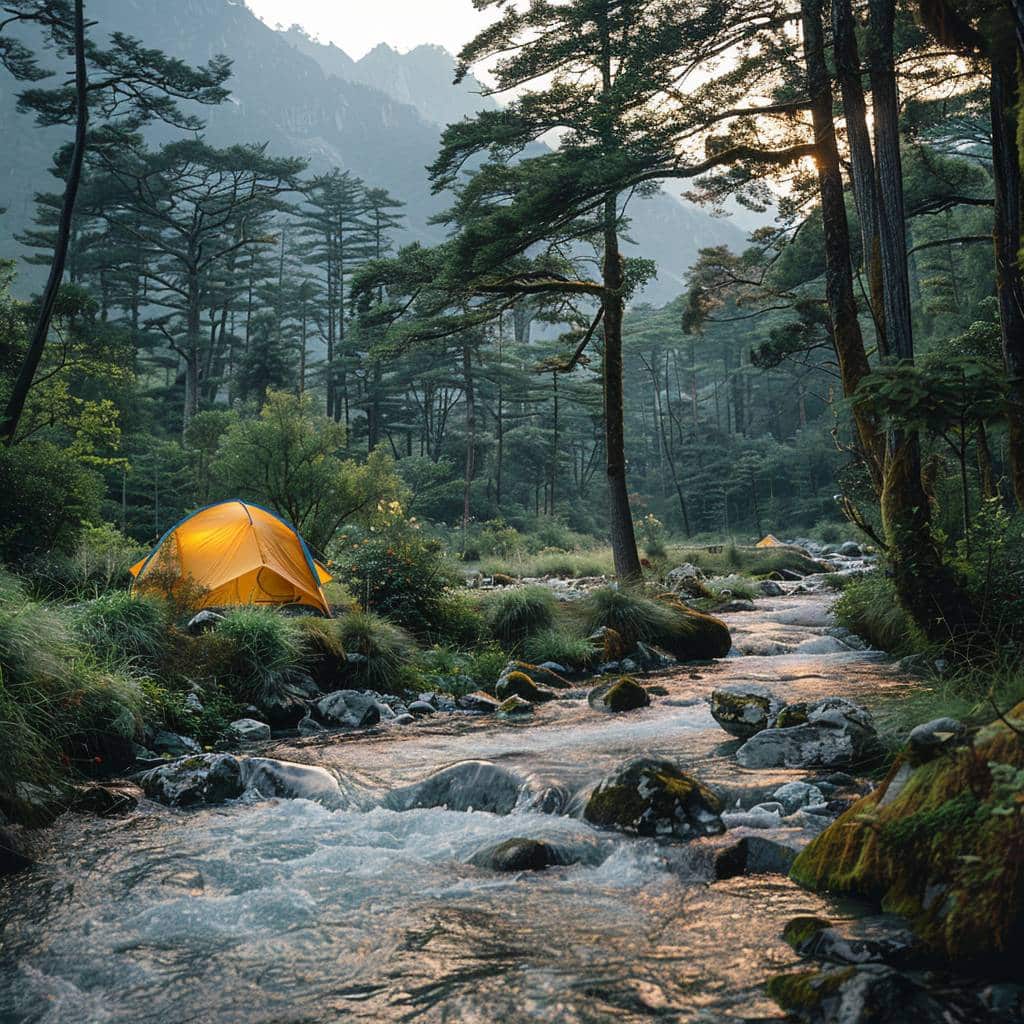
point(562, 564)
point(497, 538)
point(119, 627)
point(651, 533)
point(388, 650)
point(727, 588)
point(561, 646)
point(405, 577)
point(519, 612)
point(168, 708)
point(458, 619)
point(868, 606)
point(264, 647)
point(485, 665)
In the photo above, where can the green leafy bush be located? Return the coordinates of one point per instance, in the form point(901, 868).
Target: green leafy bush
point(122, 628)
point(561, 646)
point(497, 538)
point(263, 648)
point(400, 575)
point(387, 648)
point(519, 612)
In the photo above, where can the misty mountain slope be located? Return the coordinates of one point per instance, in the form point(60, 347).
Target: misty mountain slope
point(309, 99)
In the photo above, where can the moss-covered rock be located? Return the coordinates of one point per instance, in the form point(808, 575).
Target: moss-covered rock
point(653, 797)
point(539, 674)
point(519, 684)
point(743, 712)
point(694, 635)
point(515, 709)
point(941, 843)
point(609, 643)
point(791, 714)
point(622, 694)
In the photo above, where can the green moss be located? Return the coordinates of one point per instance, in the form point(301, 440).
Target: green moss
point(792, 714)
point(800, 930)
point(932, 844)
point(805, 991)
point(519, 684)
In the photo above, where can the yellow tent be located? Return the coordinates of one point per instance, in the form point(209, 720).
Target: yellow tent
point(238, 553)
point(769, 541)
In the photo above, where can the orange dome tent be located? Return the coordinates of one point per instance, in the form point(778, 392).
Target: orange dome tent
point(238, 553)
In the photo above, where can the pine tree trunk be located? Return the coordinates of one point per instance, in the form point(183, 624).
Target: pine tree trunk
point(41, 330)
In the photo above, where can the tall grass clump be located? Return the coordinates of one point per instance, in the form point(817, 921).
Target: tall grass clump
point(725, 588)
point(517, 613)
point(560, 646)
point(51, 691)
point(634, 616)
point(868, 606)
point(263, 648)
point(387, 648)
point(123, 628)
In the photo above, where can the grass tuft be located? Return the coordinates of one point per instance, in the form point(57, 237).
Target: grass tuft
point(520, 612)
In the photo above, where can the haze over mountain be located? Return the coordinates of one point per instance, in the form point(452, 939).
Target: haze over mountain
point(380, 117)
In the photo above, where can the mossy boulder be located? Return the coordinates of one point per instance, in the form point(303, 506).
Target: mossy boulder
point(515, 709)
point(200, 779)
point(694, 635)
point(790, 715)
point(622, 694)
point(540, 674)
point(519, 684)
point(609, 643)
point(652, 797)
point(519, 855)
point(941, 843)
point(743, 712)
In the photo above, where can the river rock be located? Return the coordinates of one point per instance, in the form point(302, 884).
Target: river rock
point(837, 734)
point(269, 777)
point(404, 719)
point(519, 855)
point(653, 797)
point(519, 684)
point(286, 703)
point(850, 549)
point(769, 588)
point(650, 657)
point(248, 730)
point(757, 855)
point(465, 786)
point(349, 708)
point(165, 742)
point(741, 711)
point(309, 726)
point(736, 605)
point(515, 709)
point(608, 643)
point(795, 795)
point(479, 702)
point(105, 801)
point(929, 739)
point(542, 675)
point(14, 852)
point(879, 939)
point(421, 708)
point(618, 695)
point(204, 621)
point(200, 779)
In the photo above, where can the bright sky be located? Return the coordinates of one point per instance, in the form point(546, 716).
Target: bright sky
point(357, 26)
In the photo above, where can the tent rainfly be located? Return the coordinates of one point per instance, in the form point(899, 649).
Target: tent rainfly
point(239, 553)
point(769, 540)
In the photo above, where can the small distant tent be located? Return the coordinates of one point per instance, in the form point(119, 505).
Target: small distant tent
point(769, 540)
point(238, 553)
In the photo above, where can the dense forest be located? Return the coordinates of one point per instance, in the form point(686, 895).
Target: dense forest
point(519, 418)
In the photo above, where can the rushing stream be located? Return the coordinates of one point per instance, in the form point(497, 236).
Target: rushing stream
point(285, 911)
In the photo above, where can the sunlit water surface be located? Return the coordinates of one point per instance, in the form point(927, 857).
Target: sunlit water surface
point(283, 911)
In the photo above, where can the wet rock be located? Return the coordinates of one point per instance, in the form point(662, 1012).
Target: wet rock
point(518, 684)
point(203, 622)
point(823, 645)
point(929, 739)
point(165, 742)
point(837, 734)
point(519, 855)
point(309, 726)
point(105, 801)
point(465, 786)
point(288, 702)
point(349, 708)
point(736, 606)
point(769, 588)
point(618, 695)
point(515, 709)
point(14, 851)
point(248, 730)
point(200, 779)
point(542, 675)
point(850, 549)
point(869, 994)
point(795, 795)
point(756, 817)
point(269, 777)
point(654, 797)
point(756, 855)
point(553, 666)
point(881, 939)
point(421, 708)
point(742, 712)
point(479, 702)
point(650, 657)
point(404, 719)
